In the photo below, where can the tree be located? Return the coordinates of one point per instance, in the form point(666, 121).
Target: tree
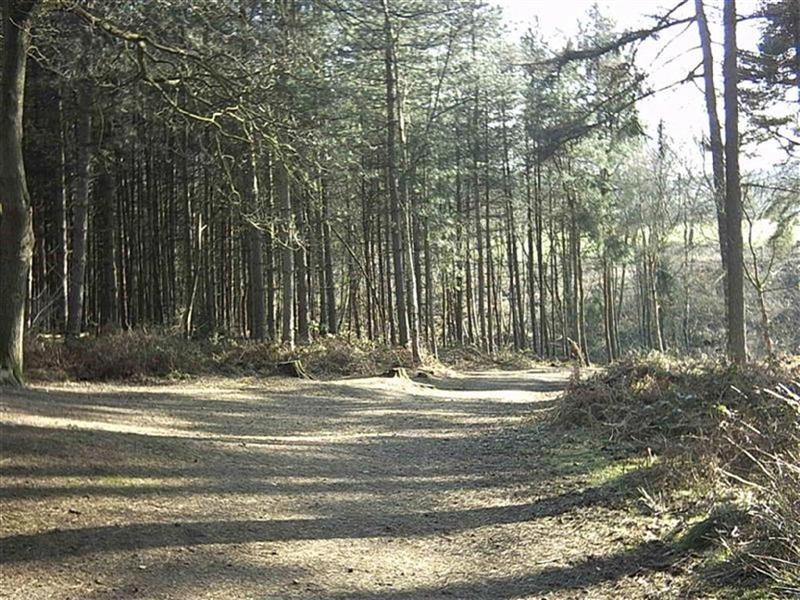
point(385, 169)
point(737, 346)
point(775, 206)
point(16, 231)
point(714, 131)
point(771, 76)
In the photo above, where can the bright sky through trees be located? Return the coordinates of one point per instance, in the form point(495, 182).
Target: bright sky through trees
point(667, 60)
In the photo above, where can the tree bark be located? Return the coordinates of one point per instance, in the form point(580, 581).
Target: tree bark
point(460, 254)
point(765, 325)
point(544, 341)
point(16, 229)
point(106, 226)
point(301, 270)
point(80, 216)
point(255, 254)
point(287, 254)
point(269, 251)
point(397, 214)
point(737, 348)
point(187, 250)
point(59, 216)
point(715, 135)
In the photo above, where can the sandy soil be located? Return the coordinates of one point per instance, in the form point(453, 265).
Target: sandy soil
point(378, 489)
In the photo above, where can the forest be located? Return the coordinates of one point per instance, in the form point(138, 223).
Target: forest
point(232, 189)
point(400, 174)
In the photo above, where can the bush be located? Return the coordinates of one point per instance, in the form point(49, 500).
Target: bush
point(729, 434)
point(469, 357)
point(141, 354)
point(769, 451)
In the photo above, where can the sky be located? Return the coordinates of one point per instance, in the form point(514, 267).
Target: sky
point(682, 109)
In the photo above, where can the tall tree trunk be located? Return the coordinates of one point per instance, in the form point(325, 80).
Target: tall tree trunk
point(268, 192)
point(386, 277)
point(581, 307)
point(301, 269)
point(287, 253)
point(530, 263)
point(409, 239)
point(544, 341)
point(608, 302)
point(471, 322)
point(715, 135)
point(688, 242)
point(430, 330)
point(491, 321)
point(514, 293)
point(80, 216)
point(187, 250)
point(647, 336)
point(479, 239)
point(16, 228)
point(106, 226)
point(255, 254)
point(369, 261)
point(654, 297)
point(319, 257)
point(395, 209)
point(460, 254)
point(765, 325)
point(737, 348)
point(59, 216)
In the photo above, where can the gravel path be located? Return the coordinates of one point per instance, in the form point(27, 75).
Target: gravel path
point(378, 489)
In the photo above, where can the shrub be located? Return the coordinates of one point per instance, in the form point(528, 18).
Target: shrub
point(140, 353)
point(730, 434)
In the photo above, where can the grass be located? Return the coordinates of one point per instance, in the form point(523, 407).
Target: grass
point(615, 471)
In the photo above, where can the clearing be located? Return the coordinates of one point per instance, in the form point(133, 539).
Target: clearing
point(372, 488)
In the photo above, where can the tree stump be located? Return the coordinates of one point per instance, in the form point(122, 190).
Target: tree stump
point(576, 353)
point(293, 368)
point(396, 372)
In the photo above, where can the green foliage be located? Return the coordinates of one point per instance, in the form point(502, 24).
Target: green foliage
point(772, 77)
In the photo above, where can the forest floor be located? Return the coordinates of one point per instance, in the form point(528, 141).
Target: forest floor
point(381, 489)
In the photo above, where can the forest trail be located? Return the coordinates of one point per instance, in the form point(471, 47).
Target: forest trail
point(379, 489)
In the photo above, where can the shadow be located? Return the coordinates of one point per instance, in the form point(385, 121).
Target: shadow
point(193, 571)
point(534, 380)
point(58, 543)
point(358, 460)
point(581, 576)
point(311, 409)
point(169, 466)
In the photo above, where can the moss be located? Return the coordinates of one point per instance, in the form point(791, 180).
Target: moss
point(616, 471)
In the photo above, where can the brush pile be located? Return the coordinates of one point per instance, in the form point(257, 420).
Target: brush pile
point(729, 435)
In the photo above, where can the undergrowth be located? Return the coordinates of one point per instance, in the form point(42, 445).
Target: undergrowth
point(470, 357)
point(142, 354)
point(727, 441)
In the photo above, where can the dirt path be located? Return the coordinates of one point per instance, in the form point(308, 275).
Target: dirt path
point(365, 489)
